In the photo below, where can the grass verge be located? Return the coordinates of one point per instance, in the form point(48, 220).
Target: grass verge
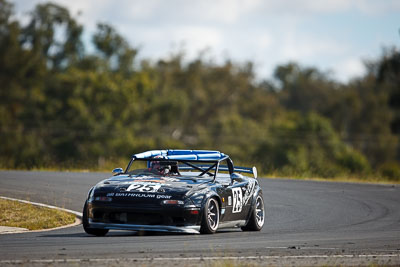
point(17, 214)
point(345, 179)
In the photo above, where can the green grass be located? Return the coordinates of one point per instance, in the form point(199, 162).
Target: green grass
point(17, 214)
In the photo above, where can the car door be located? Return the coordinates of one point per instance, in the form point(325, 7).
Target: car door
point(238, 195)
point(224, 191)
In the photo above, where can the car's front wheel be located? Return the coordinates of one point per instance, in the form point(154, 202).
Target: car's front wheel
point(85, 223)
point(257, 216)
point(210, 220)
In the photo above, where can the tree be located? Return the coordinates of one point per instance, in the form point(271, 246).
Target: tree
point(40, 35)
point(115, 49)
point(304, 89)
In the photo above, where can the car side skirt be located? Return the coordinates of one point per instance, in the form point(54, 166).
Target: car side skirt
point(232, 224)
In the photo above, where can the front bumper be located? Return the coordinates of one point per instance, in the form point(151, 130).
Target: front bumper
point(144, 217)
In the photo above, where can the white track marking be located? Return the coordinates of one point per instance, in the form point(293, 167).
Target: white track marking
point(375, 256)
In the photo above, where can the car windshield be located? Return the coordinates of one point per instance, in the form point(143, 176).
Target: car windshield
point(177, 169)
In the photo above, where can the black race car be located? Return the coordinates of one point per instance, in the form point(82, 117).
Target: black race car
point(188, 191)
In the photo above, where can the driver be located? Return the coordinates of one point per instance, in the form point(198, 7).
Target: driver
point(158, 168)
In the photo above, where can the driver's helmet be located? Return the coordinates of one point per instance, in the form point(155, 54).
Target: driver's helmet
point(157, 167)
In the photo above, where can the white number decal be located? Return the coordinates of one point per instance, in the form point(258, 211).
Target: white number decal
point(237, 200)
point(144, 187)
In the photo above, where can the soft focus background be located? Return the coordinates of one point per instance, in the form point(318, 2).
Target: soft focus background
point(297, 88)
point(333, 35)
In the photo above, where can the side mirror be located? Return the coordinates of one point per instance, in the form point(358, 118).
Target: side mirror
point(255, 172)
point(117, 171)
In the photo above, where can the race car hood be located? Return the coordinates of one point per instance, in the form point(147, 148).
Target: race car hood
point(142, 185)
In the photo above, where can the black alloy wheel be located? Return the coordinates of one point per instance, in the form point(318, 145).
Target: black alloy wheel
point(257, 216)
point(210, 220)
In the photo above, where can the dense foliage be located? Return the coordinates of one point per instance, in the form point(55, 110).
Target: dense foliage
point(63, 106)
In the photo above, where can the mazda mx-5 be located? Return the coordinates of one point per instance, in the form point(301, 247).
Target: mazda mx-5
point(188, 191)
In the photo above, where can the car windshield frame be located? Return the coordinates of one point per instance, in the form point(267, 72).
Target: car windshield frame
point(209, 167)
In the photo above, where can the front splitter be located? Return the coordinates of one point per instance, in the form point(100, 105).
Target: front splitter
point(140, 227)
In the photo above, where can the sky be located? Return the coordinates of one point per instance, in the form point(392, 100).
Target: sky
point(335, 36)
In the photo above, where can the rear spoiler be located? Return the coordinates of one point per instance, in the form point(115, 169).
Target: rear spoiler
point(225, 168)
point(252, 170)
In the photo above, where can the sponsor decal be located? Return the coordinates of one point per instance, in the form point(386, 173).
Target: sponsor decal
point(144, 187)
point(170, 179)
point(163, 197)
point(248, 191)
point(141, 195)
point(138, 195)
point(154, 180)
point(237, 200)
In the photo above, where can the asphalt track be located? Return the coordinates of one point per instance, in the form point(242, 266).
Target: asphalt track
point(342, 221)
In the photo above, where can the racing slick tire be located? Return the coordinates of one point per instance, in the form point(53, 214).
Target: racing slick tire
point(85, 223)
point(210, 218)
point(257, 216)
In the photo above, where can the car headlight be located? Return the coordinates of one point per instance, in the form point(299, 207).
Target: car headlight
point(105, 199)
point(172, 202)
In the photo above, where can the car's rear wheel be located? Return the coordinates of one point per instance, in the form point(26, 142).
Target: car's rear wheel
point(85, 223)
point(210, 220)
point(257, 216)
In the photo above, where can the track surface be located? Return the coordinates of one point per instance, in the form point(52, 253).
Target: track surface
point(303, 218)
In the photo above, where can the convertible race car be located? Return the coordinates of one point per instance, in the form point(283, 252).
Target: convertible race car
point(187, 191)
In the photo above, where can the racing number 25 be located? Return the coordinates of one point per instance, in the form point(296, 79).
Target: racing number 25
point(144, 187)
point(237, 200)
